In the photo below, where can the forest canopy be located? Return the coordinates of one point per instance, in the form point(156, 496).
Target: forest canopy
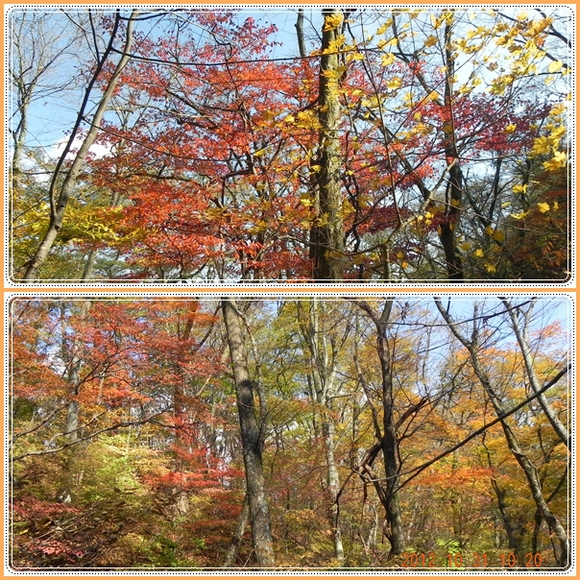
point(361, 144)
point(321, 144)
point(395, 432)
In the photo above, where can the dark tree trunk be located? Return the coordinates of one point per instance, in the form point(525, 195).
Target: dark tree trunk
point(388, 493)
point(300, 33)
point(251, 436)
point(454, 191)
point(327, 234)
point(394, 527)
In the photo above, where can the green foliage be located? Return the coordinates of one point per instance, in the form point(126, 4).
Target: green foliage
point(23, 409)
point(163, 553)
point(105, 472)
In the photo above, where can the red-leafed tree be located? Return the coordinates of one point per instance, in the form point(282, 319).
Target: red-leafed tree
point(210, 164)
point(142, 372)
point(388, 152)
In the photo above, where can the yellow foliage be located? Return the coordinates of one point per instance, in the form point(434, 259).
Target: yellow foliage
point(260, 153)
point(394, 83)
point(557, 132)
point(432, 96)
point(373, 101)
point(388, 59)
point(543, 207)
point(557, 162)
point(332, 21)
point(539, 26)
point(447, 128)
point(543, 145)
point(555, 66)
point(558, 109)
point(500, 84)
point(431, 41)
point(308, 120)
point(334, 74)
point(421, 129)
point(335, 45)
point(499, 236)
point(383, 27)
point(269, 115)
point(446, 17)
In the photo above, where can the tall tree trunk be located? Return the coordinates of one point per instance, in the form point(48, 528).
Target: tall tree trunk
point(19, 139)
point(327, 234)
point(333, 487)
point(74, 362)
point(454, 191)
point(388, 494)
point(394, 530)
point(323, 367)
point(300, 33)
point(60, 201)
point(73, 407)
point(250, 431)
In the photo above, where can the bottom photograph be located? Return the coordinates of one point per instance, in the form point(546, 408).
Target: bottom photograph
point(406, 433)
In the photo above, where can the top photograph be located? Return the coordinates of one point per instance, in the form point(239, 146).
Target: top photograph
point(338, 144)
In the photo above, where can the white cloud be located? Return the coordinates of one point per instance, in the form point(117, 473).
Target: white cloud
point(55, 151)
